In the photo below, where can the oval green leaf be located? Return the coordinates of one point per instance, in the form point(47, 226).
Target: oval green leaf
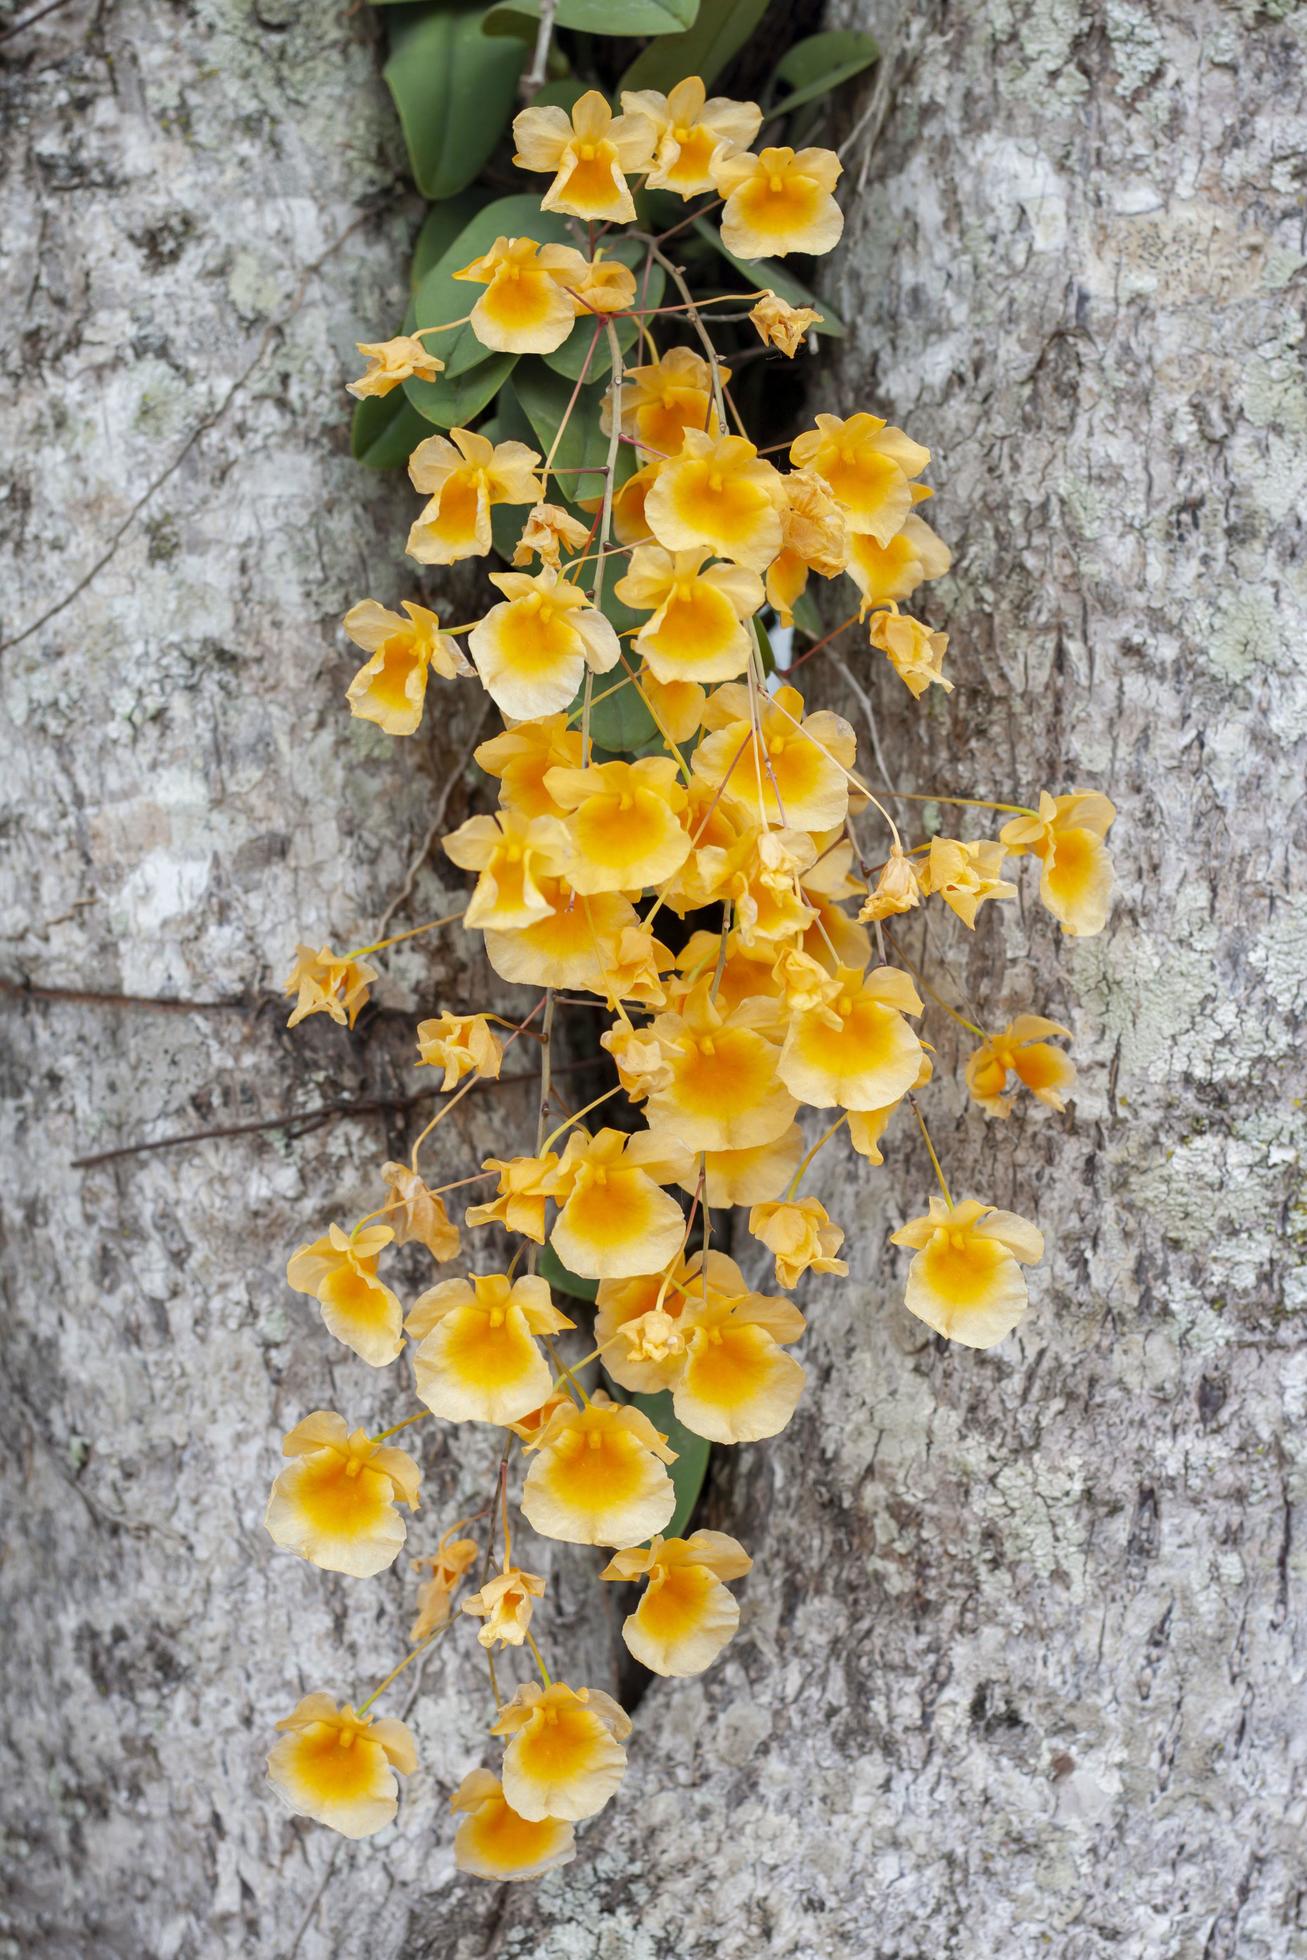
point(386, 430)
point(441, 227)
point(620, 722)
point(596, 16)
point(551, 1268)
point(719, 32)
point(544, 397)
point(806, 617)
point(454, 403)
point(816, 66)
point(692, 1452)
point(454, 90)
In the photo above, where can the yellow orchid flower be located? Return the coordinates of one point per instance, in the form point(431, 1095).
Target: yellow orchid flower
point(966, 1281)
point(588, 153)
point(1067, 837)
point(522, 757)
point(324, 983)
point(464, 475)
point(893, 571)
point(697, 631)
point(390, 688)
point(1021, 1050)
point(494, 1842)
point(868, 466)
point(685, 1616)
point(564, 1757)
point(621, 823)
point(505, 1603)
point(512, 854)
point(800, 1236)
point(340, 1272)
point(527, 307)
point(390, 362)
point(460, 1044)
point(532, 650)
point(338, 1767)
point(614, 1218)
point(662, 399)
point(446, 1568)
point(478, 1358)
point(855, 1050)
point(795, 776)
point(723, 1090)
point(965, 874)
point(717, 494)
point(913, 651)
point(781, 325)
point(779, 201)
point(691, 130)
point(418, 1216)
point(598, 1476)
point(335, 1504)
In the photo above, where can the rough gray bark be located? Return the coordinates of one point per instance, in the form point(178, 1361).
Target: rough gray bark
point(1022, 1656)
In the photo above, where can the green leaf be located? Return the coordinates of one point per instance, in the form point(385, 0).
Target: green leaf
point(764, 647)
point(716, 37)
point(564, 93)
point(598, 16)
point(691, 1465)
point(386, 430)
point(454, 403)
point(441, 227)
point(815, 67)
point(806, 617)
point(544, 397)
point(622, 724)
point(765, 272)
point(454, 91)
point(569, 359)
point(551, 1268)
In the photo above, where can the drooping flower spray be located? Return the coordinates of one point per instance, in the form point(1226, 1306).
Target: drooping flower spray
point(744, 802)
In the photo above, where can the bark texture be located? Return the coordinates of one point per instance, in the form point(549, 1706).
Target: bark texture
point(1022, 1658)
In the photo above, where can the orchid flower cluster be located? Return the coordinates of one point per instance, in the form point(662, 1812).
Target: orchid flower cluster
point(593, 876)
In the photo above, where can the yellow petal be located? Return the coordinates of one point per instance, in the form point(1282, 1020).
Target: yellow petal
point(597, 1485)
point(337, 1774)
point(495, 1842)
point(476, 1366)
point(615, 1229)
point(336, 1513)
point(738, 1386)
point(566, 1767)
point(364, 1314)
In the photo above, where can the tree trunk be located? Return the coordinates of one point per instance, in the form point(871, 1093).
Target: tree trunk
point(1018, 1671)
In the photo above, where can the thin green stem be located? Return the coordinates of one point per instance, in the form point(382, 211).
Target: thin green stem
point(361, 952)
point(825, 1138)
point(555, 1134)
point(545, 1675)
point(407, 1661)
point(395, 1427)
point(930, 1148)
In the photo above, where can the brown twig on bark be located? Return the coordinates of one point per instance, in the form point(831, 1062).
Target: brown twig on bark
point(293, 1118)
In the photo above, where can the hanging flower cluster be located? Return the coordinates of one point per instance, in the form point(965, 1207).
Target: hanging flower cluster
point(591, 877)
